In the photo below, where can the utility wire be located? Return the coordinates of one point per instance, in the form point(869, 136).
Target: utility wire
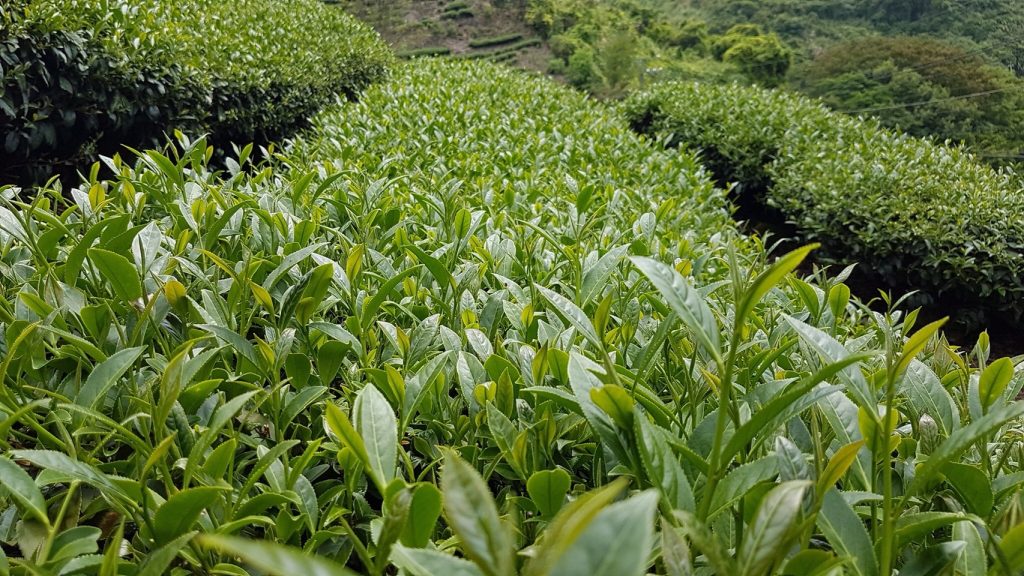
point(932, 101)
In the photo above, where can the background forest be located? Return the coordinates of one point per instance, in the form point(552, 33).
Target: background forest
point(931, 68)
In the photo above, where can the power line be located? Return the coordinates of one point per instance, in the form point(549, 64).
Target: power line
point(932, 101)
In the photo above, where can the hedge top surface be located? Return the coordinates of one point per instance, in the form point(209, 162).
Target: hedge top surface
point(919, 214)
point(253, 42)
point(511, 316)
point(509, 139)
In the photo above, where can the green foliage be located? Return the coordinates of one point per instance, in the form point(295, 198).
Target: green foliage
point(471, 324)
point(882, 75)
point(425, 51)
point(992, 26)
point(916, 215)
point(504, 51)
point(494, 40)
point(86, 76)
point(457, 10)
point(763, 58)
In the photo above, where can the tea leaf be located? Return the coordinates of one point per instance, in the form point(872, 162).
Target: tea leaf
point(118, 272)
point(378, 428)
point(473, 516)
point(615, 543)
point(547, 489)
point(684, 300)
point(17, 484)
point(274, 558)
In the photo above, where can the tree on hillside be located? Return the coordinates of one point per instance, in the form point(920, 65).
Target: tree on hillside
point(760, 56)
point(924, 87)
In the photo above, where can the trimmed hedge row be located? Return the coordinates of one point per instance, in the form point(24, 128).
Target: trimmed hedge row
point(86, 76)
point(425, 51)
point(916, 214)
point(508, 51)
point(494, 40)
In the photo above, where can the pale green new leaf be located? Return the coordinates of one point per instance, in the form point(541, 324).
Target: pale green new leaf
point(473, 516)
point(378, 427)
point(765, 543)
point(274, 559)
point(616, 542)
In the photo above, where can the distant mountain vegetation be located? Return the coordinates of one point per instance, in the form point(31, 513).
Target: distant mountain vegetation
point(932, 68)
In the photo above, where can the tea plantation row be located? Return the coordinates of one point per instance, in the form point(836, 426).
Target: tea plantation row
point(914, 214)
point(471, 324)
point(87, 76)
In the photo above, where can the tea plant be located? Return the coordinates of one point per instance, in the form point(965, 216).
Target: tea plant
point(471, 325)
point(82, 76)
point(915, 214)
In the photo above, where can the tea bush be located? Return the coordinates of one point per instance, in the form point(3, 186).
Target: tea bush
point(82, 76)
point(471, 325)
point(495, 40)
point(916, 214)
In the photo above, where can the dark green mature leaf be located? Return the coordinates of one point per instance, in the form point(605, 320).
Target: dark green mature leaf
point(436, 267)
point(572, 313)
point(973, 561)
point(419, 562)
point(833, 352)
point(378, 299)
point(846, 533)
point(911, 527)
point(775, 524)
point(119, 272)
point(424, 511)
point(582, 380)
point(159, 560)
point(740, 480)
point(661, 465)
point(973, 485)
point(675, 553)
point(17, 484)
point(473, 516)
point(961, 440)
point(180, 512)
point(1012, 547)
point(715, 553)
point(236, 341)
point(571, 521)
point(64, 464)
point(105, 375)
point(925, 391)
point(934, 559)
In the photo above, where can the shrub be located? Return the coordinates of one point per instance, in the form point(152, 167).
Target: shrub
point(582, 70)
point(469, 325)
point(92, 75)
point(917, 215)
point(506, 52)
point(882, 74)
point(426, 51)
point(494, 40)
point(457, 14)
point(761, 57)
